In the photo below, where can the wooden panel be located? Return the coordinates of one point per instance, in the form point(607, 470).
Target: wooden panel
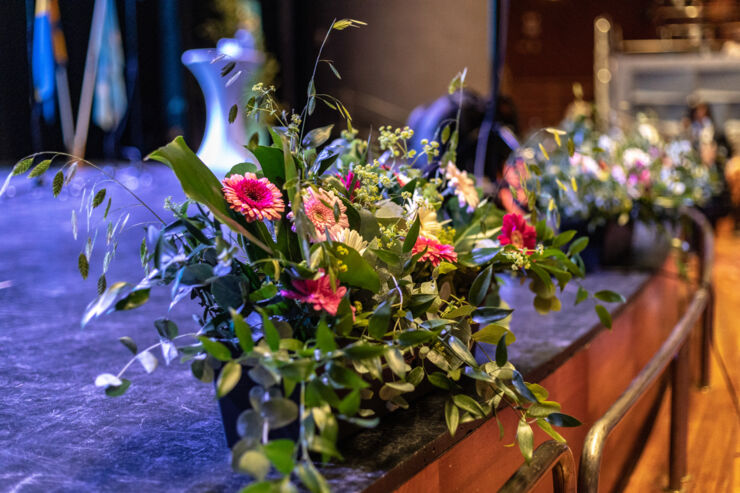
point(586, 385)
point(714, 428)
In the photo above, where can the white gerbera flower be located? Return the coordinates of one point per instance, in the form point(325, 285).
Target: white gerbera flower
point(463, 186)
point(351, 238)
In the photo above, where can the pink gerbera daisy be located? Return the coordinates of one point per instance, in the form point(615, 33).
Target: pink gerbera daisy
point(319, 207)
point(515, 231)
point(436, 252)
point(256, 198)
point(318, 292)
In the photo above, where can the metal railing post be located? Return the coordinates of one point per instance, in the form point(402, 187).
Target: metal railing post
point(550, 456)
point(680, 382)
point(674, 350)
point(707, 338)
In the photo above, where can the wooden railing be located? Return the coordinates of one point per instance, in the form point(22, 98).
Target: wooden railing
point(554, 456)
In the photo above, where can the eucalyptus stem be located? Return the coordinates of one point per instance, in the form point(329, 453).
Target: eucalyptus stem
point(131, 361)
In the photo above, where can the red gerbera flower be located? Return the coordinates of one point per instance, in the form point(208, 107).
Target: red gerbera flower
point(256, 198)
point(436, 252)
point(318, 292)
point(515, 231)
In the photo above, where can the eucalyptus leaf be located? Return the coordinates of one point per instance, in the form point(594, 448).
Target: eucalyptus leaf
point(604, 316)
point(452, 417)
point(227, 291)
point(129, 343)
point(317, 136)
point(412, 235)
point(249, 425)
point(468, 404)
point(279, 412)
point(380, 319)
point(311, 478)
point(461, 351)
point(581, 296)
point(107, 380)
point(525, 439)
point(228, 378)
point(166, 328)
point(609, 296)
point(215, 349)
point(560, 419)
point(148, 361)
point(116, 390)
point(280, 453)
point(103, 302)
point(255, 463)
point(133, 300)
point(324, 338)
point(489, 314)
point(480, 286)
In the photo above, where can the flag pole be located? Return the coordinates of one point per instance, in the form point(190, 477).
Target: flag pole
point(59, 47)
point(65, 107)
point(88, 82)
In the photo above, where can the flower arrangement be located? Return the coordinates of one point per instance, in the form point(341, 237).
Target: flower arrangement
point(331, 273)
point(600, 178)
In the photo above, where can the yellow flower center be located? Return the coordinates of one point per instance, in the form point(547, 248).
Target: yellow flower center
point(517, 239)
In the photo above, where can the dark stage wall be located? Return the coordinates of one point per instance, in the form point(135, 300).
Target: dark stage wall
point(403, 58)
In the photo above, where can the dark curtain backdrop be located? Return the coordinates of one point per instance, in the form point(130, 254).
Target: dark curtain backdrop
point(16, 126)
point(403, 58)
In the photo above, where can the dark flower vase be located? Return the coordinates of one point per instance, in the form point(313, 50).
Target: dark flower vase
point(237, 401)
point(609, 245)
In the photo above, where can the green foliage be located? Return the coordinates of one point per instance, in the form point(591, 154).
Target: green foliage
point(322, 302)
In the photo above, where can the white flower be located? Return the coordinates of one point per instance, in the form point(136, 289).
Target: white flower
point(463, 186)
point(584, 163)
point(632, 156)
point(649, 133)
point(351, 238)
point(430, 227)
point(618, 175)
point(606, 143)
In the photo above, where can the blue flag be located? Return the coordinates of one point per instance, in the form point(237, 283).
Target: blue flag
point(109, 104)
point(42, 63)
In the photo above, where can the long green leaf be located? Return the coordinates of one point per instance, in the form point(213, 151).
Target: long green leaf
point(412, 235)
point(201, 185)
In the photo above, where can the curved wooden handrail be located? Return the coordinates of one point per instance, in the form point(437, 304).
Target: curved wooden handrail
point(551, 455)
point(593, 448)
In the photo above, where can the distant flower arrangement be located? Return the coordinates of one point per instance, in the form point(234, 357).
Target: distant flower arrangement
point(599, 178)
